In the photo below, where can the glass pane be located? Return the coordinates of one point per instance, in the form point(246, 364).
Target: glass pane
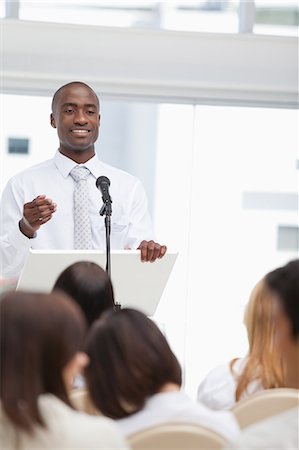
point(209, 15)
point(222, 185)
point(150, 140)
point(244, 189)
point(2, 10)
point(127, 136)
point(276, 17)
point(203, 16)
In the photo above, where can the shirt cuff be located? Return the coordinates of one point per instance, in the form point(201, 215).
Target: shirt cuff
point(19, 240)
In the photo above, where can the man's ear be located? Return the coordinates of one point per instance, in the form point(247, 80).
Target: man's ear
point(52, 121)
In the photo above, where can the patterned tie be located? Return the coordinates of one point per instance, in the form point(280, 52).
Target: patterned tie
point(82, 228)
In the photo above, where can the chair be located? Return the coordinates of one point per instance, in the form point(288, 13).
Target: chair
point(80, 399)
point(180, 436)
point(265, 404)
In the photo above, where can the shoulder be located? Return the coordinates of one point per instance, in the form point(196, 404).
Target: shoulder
point(94, 431)
point(218, 375)
point(78, 428)
point(29, 172)
point(217, 390)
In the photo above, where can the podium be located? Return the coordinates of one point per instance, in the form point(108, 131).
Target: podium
point(136, 285)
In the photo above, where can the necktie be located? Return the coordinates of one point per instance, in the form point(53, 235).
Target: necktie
point(82, 228)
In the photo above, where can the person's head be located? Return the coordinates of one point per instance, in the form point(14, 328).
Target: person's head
point(284, 286)
point(130, 360)
point(89, 285)
point(41, 339)
point(76, 115)
point(264, 359)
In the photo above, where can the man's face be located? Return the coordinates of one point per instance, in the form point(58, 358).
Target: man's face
point(76, 117)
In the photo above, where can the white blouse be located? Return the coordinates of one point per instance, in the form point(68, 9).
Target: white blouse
point(218, 389)
point(65, 429)
point(176, 406)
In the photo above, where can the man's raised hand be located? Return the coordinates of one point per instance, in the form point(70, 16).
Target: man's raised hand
point(35, 214)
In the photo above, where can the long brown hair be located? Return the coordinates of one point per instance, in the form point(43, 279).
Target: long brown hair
point(130, 360)
point(40, 334)
point(264, 360)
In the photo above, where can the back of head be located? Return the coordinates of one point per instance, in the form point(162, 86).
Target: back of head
point(264, 360)
point(258, 318)
point(40, 334)
point(89, 285)
point(284, 283)
point(130, 360)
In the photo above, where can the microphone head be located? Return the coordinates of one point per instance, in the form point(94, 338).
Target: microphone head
point(102, 180)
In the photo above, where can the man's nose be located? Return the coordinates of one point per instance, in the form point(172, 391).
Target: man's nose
point(80, 118)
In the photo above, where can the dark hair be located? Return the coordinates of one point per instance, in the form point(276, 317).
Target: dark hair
point(58, 92)
point(40, 334)
point(284, 281)
point(130, 360)
point(89, 285)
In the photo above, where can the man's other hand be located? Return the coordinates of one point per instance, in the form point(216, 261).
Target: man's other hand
point(150, 251)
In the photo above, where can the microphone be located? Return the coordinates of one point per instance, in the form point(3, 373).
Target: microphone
point(103, 184)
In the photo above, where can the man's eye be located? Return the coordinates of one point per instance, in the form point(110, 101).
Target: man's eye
point(69, 110)
point(91, 111)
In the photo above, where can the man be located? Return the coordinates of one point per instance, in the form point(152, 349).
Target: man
point(55, 204)
point(281, 431)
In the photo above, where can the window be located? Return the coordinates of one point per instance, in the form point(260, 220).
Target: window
point(276, 17)
point(222, 185)
point(213, 16)
point(18, 146)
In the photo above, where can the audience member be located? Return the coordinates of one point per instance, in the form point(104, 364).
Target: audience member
point(281, 431)
point(261, 369)
point(41, 337)
point(89, 285)
point(134, 377)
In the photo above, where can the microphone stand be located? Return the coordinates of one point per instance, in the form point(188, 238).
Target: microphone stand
point(107, 211)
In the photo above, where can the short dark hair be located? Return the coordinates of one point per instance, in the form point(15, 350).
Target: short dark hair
point(284, 282)
point(58, 92)
point(89, 285)
point(130, 360)
point(40, 334)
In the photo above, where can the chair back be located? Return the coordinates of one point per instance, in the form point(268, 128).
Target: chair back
point(265, 404)
point(176, 436)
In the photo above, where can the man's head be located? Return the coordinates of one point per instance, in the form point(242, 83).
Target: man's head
point(75, 114)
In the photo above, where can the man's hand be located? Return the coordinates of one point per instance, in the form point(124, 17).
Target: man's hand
point(150, 251)
point(35, 214)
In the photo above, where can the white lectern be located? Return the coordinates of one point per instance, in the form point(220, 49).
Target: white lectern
point(136, 284)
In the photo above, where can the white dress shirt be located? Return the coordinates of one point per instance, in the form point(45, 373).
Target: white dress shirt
point(65, 429)
point(176, 406)
point(279, 432)
point(130, 221)
point(218, 390)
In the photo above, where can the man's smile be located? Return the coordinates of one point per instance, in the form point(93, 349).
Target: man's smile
point(80, 132)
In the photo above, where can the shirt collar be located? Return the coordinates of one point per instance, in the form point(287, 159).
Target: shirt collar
point(65, 165)
point(161, 397)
